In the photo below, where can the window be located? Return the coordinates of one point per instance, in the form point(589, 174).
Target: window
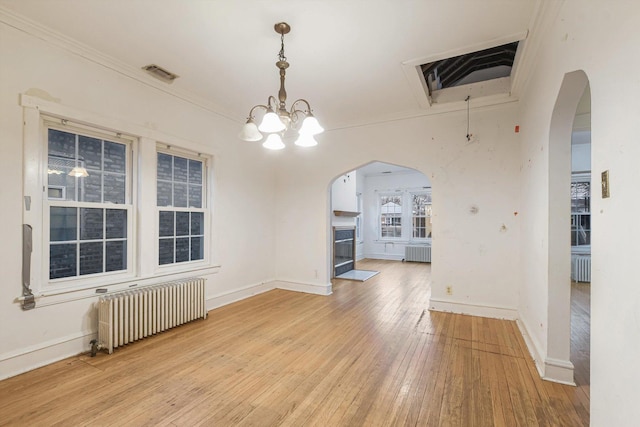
point(421, 215)
point(580, 211)
point(87, 196)
point(391, 216)
point(88, 204)
point(181, 208)
point(406, 215)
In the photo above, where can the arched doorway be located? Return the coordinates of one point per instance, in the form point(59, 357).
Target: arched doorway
point(389, 207)
point(558, 366)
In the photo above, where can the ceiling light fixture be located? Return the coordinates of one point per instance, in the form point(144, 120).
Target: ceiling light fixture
point(79, 172)
point(276, 119)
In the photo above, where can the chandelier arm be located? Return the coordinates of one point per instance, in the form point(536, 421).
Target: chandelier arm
point(251, 116)
point(272, 99)
point(308, 110)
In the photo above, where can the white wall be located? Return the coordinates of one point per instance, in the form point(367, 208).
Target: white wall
point(581, 151)
point(360, 189)
point(373, 186)
point(244, 189)
point(596, 37)
point(475, 253)
point(343, 198)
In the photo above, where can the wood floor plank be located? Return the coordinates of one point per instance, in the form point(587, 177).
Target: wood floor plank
point(370, 354)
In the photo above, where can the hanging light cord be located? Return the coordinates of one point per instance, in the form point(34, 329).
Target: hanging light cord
point(468, 134)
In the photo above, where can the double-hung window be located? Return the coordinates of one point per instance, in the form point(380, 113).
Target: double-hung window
point(391, 216)
point(405, 215)
point(421, 215)
point(88, 204)
point(181, 208)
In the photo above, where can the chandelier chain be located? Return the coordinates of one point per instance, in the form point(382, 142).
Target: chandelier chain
point(281, 53)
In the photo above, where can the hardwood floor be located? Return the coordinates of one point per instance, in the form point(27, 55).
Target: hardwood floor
point(581, 335)
point(371, 354)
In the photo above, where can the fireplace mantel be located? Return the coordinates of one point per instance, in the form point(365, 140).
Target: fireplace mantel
point(349, 214)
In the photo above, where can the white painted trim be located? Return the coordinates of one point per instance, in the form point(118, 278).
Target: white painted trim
point(558, 371)
point(499, 41)
point(550, 369)
point(36, 356)
point(390, 257)
point(473, 309)
point(533, 346)
point(309, 288)
point(225, 298)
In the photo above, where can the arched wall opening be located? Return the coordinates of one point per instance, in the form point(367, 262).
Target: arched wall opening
point(558, 366)
point(389, 208)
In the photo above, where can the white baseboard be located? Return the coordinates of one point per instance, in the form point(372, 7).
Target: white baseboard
point(558, 371)
point(550, 369)
point(472, 309)
point(309, 288)
point(238, 295)
point(390, 257)
point(36, 356)
point(533, 346)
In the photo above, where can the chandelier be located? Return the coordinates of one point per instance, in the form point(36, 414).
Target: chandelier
point(276, 119)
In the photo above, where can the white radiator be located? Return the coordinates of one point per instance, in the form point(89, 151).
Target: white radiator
point(420, 253)
point(127, 316)
point(581, 268)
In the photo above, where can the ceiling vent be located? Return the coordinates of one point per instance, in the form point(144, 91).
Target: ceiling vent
point(160, 73)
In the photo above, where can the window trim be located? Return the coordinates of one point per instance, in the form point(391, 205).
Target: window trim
point(406, 195)
point(34, 184)
point(89, 280)
point(205, 209)
point(402, 195)
point(412, 238)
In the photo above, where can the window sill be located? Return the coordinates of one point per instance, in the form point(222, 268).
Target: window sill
point(52, 296)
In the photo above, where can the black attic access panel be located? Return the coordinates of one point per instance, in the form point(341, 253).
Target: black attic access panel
point(451, 70)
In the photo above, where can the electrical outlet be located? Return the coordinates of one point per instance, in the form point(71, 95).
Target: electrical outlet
point(449, 290)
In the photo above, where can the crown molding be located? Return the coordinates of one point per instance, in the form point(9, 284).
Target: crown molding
point(75, 47)
point(543, 18)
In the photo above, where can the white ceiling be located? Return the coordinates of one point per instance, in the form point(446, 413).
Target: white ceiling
point(346, 56)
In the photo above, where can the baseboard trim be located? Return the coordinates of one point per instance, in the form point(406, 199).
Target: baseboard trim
point(549, 369)
point(33, 357)
point(473, 309)
point(388, 257)
point(308, 288)
point(534, 349)
point(223, 299)
point(558, 371)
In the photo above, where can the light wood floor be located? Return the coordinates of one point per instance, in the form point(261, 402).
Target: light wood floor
point(581, 334)
point(371, 354)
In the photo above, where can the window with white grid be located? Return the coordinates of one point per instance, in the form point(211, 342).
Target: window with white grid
point(181, 208)
point(88, 207)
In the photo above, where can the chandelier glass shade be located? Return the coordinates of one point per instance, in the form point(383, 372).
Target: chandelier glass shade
point(276, 119)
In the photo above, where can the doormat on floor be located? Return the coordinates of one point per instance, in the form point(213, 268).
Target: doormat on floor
point(359, 275)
